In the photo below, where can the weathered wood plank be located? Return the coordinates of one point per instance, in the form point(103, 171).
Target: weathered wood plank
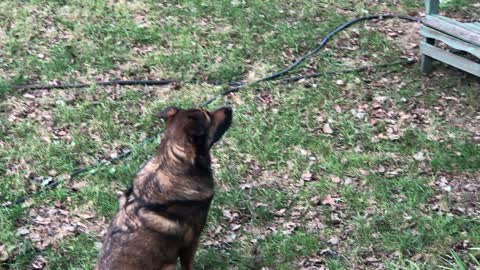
point(459, 24)
point(475, 25)
point(453, 29)
point(432, 6)
point(450, 41)
point(451, 59)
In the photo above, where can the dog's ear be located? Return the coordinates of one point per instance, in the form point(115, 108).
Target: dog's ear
point(168, 113)
point(222, 121)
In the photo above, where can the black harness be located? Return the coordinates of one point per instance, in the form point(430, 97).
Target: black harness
point(162, 208)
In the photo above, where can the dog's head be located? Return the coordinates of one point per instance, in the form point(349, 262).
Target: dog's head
point(199, 128)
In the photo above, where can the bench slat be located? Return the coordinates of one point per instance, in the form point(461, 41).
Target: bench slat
point(450, 58)
point(475, 25)
point(469, 26)
point(454, 29)
point(450, 41)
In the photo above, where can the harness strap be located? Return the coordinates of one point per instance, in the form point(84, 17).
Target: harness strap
point(163, 207)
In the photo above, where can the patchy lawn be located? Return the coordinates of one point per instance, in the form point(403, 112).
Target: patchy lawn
point(375, 170)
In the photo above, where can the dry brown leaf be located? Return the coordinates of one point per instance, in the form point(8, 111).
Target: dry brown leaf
point(39, 262)
point(22, 231)
point(336, 179)
point(372, 259)
point(420, 156)
point(3, 253)
point(327, 129)
point(328, 200)
point(65, 176)
point(333, 241)
point(338, 109)
point(52, 173)
point(307, 176)
point(235, 227)
point(79, 185)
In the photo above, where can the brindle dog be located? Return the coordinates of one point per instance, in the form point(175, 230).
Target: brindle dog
point(162, 215)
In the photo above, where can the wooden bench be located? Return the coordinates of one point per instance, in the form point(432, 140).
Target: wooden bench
point(460, 36)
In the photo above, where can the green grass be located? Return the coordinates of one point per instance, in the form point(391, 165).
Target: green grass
point(388, 199)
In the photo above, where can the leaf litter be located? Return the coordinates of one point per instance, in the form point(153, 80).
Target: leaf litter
point(47, 226)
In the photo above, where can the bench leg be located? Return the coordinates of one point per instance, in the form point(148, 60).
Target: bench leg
point(426, 61)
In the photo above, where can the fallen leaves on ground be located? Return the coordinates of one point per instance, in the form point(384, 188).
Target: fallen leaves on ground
point(456, 194)
point(48, 225)
point(39, 262)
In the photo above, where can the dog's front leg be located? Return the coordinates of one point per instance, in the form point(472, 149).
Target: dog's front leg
point(186, 256)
